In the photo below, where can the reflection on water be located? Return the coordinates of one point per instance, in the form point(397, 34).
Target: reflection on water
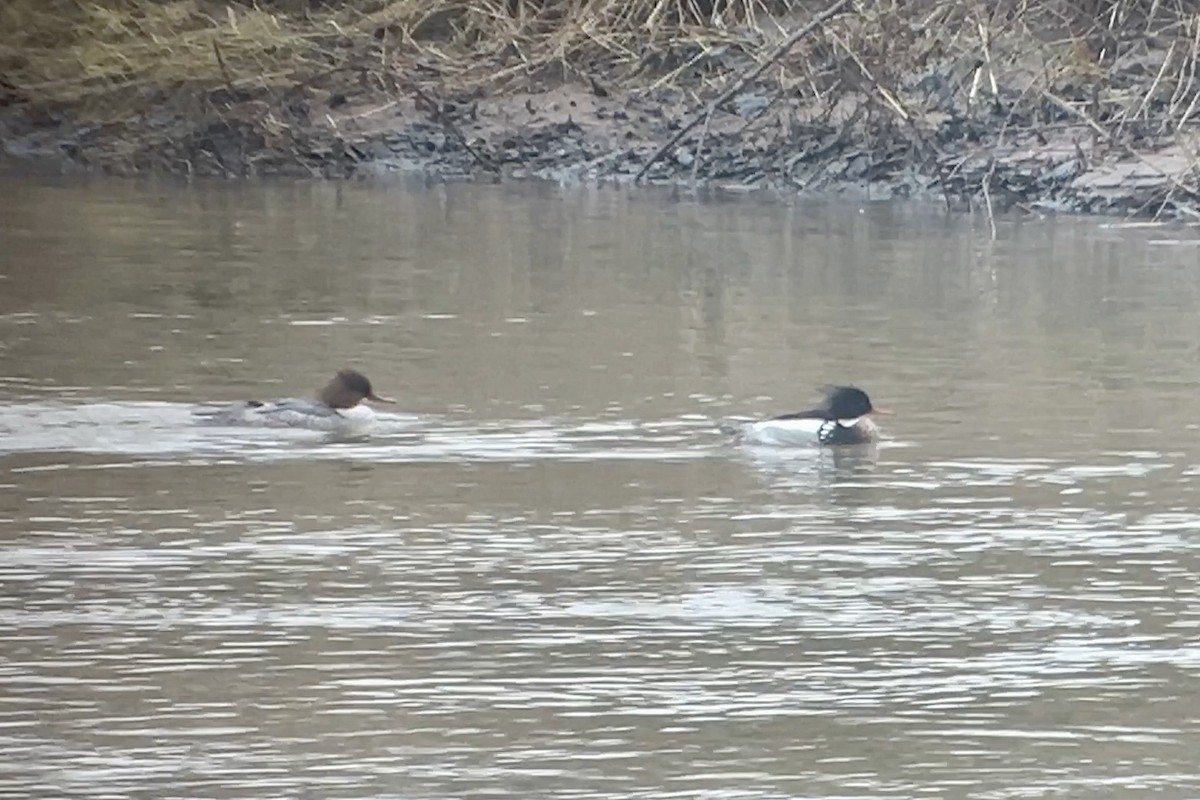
point(549, 576)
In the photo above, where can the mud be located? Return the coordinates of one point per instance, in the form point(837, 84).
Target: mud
point(990, 153)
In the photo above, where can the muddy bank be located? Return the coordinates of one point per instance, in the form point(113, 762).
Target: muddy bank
point(1105, 134)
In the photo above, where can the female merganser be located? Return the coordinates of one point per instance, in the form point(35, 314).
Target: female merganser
point(844, 418)
point(337, 407)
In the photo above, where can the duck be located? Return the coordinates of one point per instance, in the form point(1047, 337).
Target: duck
point(337, 406)
point(844, 418)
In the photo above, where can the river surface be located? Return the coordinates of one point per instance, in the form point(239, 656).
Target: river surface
point(545, 574)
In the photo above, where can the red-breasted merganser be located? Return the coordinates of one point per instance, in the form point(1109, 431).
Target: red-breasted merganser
point(844, 418)
point(337, 407)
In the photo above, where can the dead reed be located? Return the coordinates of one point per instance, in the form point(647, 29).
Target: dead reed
point(1126, 70)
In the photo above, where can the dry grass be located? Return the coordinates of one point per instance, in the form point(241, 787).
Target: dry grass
point(71, 50)
point(65, 50)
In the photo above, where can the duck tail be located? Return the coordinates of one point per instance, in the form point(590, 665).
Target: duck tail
point(731, 427)
point(225, 414)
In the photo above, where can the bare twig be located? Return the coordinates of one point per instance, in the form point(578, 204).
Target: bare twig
point(1083, 115)
point(224, 69)
point(1149, 92)
point(985, 45)
point(987, 197)
point(700, 145)
point(889, 97)
point(745, 78)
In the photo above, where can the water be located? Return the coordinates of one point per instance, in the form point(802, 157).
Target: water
point(547, 576)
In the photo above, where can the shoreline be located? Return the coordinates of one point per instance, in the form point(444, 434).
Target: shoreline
point(971, 135)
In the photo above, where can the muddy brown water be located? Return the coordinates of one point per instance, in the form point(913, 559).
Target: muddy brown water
point(544, 574)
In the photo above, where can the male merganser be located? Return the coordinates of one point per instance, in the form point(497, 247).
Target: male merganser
point(337, 407)
point(844, 418)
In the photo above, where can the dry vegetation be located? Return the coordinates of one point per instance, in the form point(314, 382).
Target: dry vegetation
point(66, 50)
point(1125, 70)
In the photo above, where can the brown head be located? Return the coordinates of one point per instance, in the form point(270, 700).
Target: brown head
point(347, 389)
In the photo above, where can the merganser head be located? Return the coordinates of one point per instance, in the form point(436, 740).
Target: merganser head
point(849, 403)
point(347, 389)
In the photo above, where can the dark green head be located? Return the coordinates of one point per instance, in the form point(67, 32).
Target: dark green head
point(848, 402)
